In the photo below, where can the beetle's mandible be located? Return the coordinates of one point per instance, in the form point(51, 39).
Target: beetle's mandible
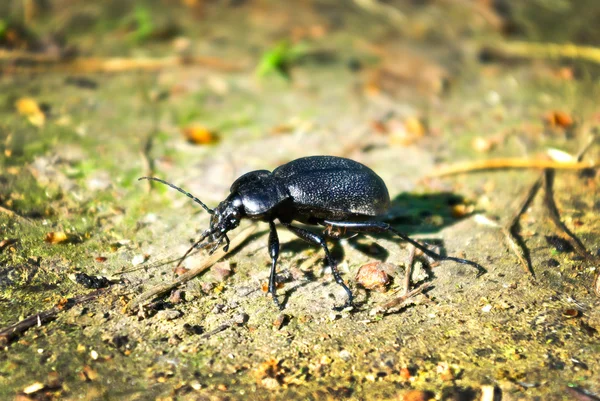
point(336, 193)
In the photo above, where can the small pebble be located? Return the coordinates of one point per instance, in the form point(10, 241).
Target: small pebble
point(168, 314)
point(373, 276)
point(33, 388)
point(345, 355)
point(139, 259)
point(193, 329)
point(240, 318)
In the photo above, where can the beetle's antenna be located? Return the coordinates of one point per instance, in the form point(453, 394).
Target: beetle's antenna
point(189, 195)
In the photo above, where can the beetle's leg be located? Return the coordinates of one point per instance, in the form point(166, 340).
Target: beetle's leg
point(274, 253)
point(226, 247)
point(318, 240)
point(214, 248)
point(380, 227)
point(202, 238)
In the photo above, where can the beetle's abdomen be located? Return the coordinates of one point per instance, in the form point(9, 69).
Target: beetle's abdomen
point(334, 186)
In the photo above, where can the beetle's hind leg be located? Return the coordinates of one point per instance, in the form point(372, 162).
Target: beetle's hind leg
point(274, 253)
point(380, 227)
point(316, 239)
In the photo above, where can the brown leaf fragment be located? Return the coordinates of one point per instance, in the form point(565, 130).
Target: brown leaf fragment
point(30, 108)
point(570, 313)
point(57, 237)
point(559, 119)
point(270, 374)
point(221, 271)
point(7, 242)
point(199, 135)
point(416, 395)
point(280, 321)
point(88, 374)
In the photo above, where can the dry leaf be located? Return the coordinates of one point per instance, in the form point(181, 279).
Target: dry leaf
point(560, 156)
point(483, 145)
point(559, 119)
point(30, 108)
point(199, 135)
point(57, 237)
point(406, 132)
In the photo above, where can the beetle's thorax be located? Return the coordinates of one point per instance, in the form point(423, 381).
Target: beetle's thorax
point(227, 215)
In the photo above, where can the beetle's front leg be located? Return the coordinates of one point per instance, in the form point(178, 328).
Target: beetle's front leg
point(226, 247)
point(274, 253)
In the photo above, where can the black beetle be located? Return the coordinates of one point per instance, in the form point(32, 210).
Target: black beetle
point(337, 193)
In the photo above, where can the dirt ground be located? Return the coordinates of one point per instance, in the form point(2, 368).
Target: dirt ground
point(94, 95)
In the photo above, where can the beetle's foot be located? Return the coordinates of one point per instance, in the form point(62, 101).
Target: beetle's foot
point(348, 306)
point(276, 302)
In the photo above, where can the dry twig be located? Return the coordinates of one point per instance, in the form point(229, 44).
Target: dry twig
point(89, 65)
point(409, 264)
point(399, 301)
point(15, 215)
point(11, 332)
point(546, 51)
point(510, 163)
point(184, 278)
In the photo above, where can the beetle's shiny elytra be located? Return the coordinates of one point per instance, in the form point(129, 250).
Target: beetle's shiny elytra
point(337, 193)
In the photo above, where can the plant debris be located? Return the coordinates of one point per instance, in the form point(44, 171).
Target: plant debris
point(92, 282)
point(558, 243)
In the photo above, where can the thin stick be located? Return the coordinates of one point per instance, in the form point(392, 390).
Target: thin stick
point(399, 300)
point(409, 264)
point(15, 215)
point(509, 230)
point(184, 278)
point(147, 161)
point(510, 163)
point(386, 10)
point(113, 65)
point(547, 50)
point(7, 334)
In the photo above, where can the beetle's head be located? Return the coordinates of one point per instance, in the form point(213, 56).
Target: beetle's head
point(226, 217)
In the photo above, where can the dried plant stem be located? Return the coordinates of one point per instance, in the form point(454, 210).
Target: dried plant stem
point(84, 65)
point(510, 163)
point(184, 278)
point(398, 301)
point(409, 264)
point(7, 334)
point(15, 215)
point(546, 51)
